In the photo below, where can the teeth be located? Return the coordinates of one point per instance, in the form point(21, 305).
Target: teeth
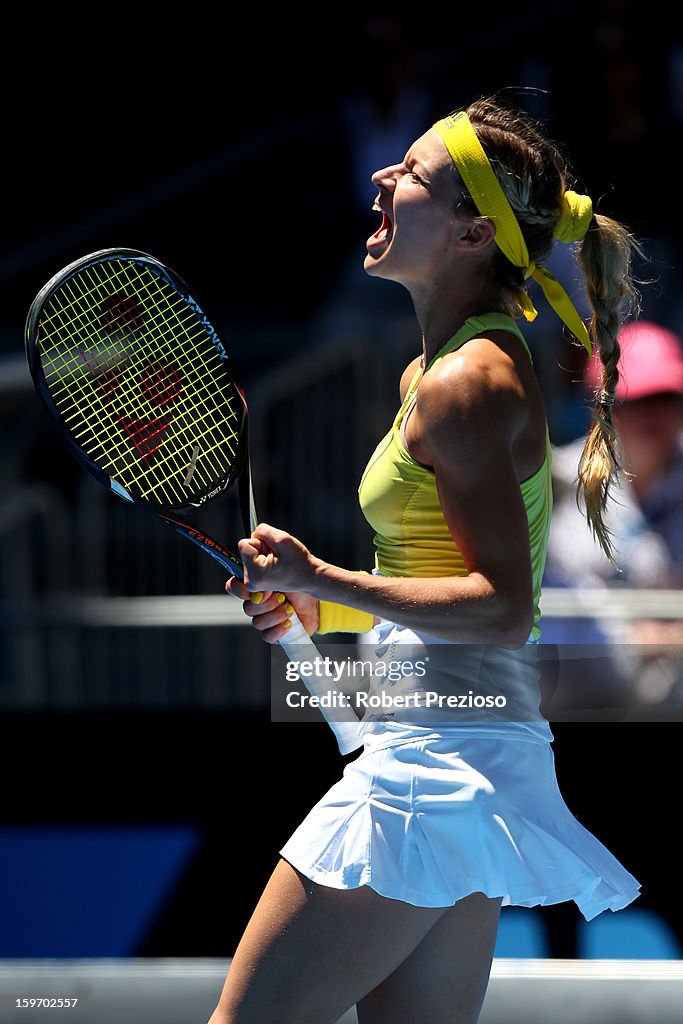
point(376, 208)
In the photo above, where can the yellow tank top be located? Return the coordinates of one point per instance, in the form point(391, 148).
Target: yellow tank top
point(399, 498)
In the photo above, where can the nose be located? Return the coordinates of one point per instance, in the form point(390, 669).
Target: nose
point(385, 179)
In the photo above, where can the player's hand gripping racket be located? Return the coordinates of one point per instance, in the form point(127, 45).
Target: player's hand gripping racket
point(145, 394)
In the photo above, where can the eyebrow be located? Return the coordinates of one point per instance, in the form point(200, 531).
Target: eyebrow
point(417, 164)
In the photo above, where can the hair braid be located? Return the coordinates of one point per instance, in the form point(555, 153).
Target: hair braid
point(605, 257)
point(534, 175)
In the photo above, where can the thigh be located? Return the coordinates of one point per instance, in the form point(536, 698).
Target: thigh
point(444, 979)
point(310, 952)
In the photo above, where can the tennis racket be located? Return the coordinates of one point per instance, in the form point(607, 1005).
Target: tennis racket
point(146, 395)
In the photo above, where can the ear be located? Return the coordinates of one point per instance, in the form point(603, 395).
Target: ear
point(474, 234)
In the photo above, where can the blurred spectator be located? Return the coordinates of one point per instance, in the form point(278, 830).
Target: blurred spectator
point(645, 518)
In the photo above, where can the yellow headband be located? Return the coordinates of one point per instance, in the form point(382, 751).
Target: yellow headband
point(467, 153)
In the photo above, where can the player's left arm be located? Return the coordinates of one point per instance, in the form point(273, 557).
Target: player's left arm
point(468, 414)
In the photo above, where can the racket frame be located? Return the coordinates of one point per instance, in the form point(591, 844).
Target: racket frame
point(32, 347)
point(297, 643)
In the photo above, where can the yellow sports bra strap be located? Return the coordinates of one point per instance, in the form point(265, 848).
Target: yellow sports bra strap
point(478, 324)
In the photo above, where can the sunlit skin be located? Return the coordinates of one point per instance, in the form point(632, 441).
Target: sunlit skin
point(478, 421)
point(309, 952)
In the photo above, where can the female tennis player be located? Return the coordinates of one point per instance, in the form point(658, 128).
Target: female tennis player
point(387, 896)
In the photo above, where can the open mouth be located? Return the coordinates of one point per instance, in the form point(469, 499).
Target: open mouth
point(382, 236)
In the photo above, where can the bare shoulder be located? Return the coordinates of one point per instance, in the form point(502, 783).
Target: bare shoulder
point(481, 383)
point(407, 376)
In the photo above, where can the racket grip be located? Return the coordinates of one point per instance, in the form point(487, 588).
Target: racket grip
point(342, 720)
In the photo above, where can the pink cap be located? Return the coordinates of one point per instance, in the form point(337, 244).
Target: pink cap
point(651, 362)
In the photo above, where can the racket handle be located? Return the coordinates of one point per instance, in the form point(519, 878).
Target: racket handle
point(343, 722)
point(297, 644)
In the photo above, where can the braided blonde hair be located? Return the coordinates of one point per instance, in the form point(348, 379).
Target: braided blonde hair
point(605, 257)
point(534, 176)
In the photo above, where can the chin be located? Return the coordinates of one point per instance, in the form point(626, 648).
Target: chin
point(375, 268)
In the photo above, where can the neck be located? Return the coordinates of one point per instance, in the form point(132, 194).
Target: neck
point(442, 306)
point(437, 330)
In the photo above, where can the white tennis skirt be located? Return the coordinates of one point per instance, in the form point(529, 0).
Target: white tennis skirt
point(430, 815)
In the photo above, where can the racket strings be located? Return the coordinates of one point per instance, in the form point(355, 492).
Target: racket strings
point(141, 432)
point(168, 318)
point(161, 319)
point(146, 428)
point(140, 385)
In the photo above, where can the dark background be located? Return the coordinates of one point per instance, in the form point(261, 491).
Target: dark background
point(219, 144)
point(223, 145)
